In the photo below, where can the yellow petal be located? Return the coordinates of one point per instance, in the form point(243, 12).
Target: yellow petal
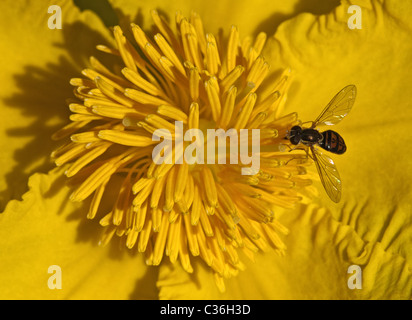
point(37, 63)
point(250, 18)
point(46, 229)
point(316, 266)
point(376, 172)
point(371, 226)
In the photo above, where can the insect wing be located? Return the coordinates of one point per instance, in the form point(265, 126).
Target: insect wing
point(329, 175)
point(338, 107)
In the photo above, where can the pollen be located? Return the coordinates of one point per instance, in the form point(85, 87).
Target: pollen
point(171, 210)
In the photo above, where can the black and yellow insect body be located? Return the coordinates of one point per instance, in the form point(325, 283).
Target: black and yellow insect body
point(328, 140)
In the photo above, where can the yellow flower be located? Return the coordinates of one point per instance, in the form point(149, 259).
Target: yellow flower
point(368, 229)
point(182, 207)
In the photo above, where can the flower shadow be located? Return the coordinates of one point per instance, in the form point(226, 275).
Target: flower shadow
point(316, 7)
point(40, 97)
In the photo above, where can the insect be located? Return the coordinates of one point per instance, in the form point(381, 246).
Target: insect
point(329, 140)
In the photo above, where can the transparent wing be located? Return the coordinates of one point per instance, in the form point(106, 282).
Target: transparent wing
point(328, 174)
point(338, 107)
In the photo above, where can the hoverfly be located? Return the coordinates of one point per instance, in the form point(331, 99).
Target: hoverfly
point(329, 140)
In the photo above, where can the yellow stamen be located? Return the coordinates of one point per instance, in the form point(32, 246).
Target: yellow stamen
point(172, 113)
point(172, 246)
point(209, 186)
point(142, 83)
point(194, 82)
point(228, 107)
point(160, 123)
point(194, 116)
point(143, 98)
point(161, 240)
point(214, 100)
point(125, 138)
point(123, 48)
point(92, 74)
point(231, 78)
point(205, 223)
point(246, 111)
point(169, 53)
point(140, 217)
point(259, 42)
point(93, 182)
point(198, 26)
point(166, 31)
point(97, 197)
point(191, 236)
point(86, 159)
point(72, 153)
point(144, 236)
point(232, 48)
point(84, 117)
point(112, 92)
point(173, 209)
point(180, 183)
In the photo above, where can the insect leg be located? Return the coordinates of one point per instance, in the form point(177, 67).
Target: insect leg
point(297, 147)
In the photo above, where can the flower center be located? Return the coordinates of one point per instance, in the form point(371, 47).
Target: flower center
point(183, 210)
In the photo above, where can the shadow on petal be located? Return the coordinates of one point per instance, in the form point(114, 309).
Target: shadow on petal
point(144, 288)
point(315, 7)
point(102, 9)
point(41, 96)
